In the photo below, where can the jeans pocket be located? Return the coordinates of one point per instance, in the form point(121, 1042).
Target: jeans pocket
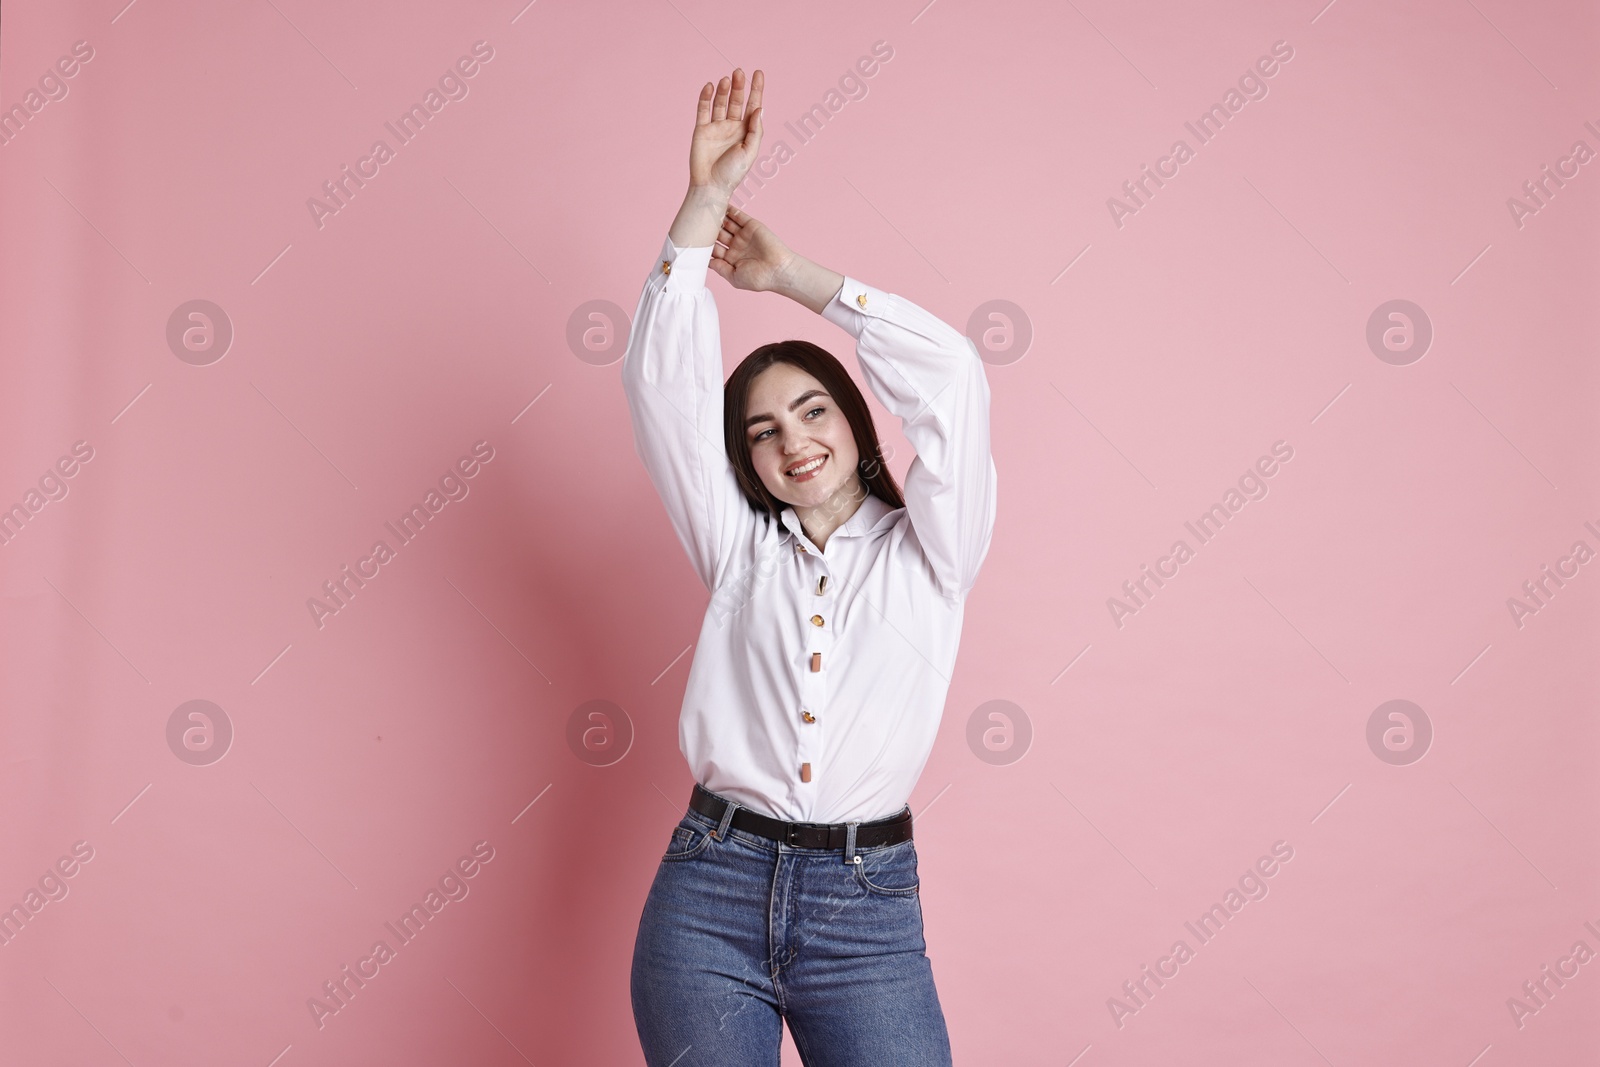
point(890, 871)
point(689, 839)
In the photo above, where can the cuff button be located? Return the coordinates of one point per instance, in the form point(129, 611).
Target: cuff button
point(861, 299)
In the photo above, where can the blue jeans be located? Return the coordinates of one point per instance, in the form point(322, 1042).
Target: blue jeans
point(741, 932)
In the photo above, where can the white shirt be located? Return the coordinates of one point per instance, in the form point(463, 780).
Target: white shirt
point(755, 710)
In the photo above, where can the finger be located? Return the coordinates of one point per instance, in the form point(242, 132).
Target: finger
point(703, 108)
point(736, 101)
point(719, 106)
point(752, 131)
point(726, 236)
point(758, 84)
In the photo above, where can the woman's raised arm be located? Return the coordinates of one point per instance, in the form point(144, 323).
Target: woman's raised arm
point(727, 136)
point(672, 369)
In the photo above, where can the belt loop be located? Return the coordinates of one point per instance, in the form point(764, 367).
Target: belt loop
point(727, 817)
point(850, 842)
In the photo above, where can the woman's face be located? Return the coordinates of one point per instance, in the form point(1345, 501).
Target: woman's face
point(791, 422)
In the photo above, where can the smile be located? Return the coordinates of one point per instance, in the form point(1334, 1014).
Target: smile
point(806, 471)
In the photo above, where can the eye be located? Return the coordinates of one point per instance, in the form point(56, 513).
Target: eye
point(762, 435)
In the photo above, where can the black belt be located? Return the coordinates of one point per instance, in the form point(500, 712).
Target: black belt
point(888, 831)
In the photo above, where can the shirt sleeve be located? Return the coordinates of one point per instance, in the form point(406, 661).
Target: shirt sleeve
point(672, 376)
point(930, 377)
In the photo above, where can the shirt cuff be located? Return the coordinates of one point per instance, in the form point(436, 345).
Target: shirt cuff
point(685, 268)
point(853, 304)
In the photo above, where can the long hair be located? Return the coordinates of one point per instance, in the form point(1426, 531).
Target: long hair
point(821, 365)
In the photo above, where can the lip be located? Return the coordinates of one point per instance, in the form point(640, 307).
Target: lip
point(806, 477)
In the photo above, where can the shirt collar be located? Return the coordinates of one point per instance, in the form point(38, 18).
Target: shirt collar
point(864, 521)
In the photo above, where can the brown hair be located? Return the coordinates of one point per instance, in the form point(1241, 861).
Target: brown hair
point(821, 365)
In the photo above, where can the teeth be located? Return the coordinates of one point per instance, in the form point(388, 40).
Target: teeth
point(813, 465)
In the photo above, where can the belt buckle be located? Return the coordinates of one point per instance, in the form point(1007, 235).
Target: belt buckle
point(792, 835)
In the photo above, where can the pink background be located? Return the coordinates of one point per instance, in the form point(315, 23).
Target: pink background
point(432, 712)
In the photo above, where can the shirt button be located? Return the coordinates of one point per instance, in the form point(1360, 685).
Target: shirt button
point(808, 717)
point(666, 266)
point(816, 620)
point(799, 548)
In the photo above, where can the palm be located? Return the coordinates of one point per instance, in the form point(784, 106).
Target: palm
point(727, 132)
point(717, 155)
point(748, 255)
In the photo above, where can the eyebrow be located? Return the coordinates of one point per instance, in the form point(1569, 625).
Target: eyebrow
point(796, 402)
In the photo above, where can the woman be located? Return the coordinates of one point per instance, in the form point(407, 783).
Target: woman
point(789, 889)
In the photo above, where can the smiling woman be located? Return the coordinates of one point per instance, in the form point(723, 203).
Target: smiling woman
point(822, 666)
point(788, 406)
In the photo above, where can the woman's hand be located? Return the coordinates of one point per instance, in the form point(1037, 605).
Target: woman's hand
point(727, 134)
point(750, 256)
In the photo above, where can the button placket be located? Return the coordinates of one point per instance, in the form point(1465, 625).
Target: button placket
point(818, 635)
